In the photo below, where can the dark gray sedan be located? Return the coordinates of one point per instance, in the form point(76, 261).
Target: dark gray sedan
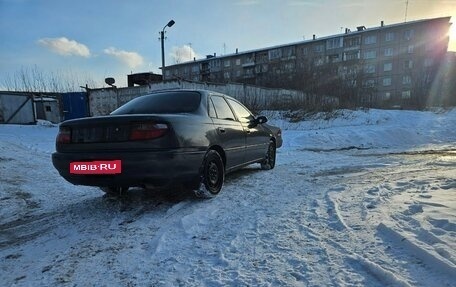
point(190, 137)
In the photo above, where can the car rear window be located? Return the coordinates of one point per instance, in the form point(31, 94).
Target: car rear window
point(162, 103)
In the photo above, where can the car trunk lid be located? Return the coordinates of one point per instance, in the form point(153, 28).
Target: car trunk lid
point(115, 133)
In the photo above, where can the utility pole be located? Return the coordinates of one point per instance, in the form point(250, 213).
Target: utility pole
point(406, 10)
point(162, 38)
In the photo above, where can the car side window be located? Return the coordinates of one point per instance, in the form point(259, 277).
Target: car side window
point(243, 114)
point(211, 108)
point(222, 109)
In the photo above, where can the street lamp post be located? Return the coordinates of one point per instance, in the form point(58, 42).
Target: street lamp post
point(162, 38)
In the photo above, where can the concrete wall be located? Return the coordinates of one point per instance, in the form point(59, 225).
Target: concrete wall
point(104, 101)
point(16, 108)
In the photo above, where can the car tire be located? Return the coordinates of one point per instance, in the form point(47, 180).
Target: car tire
point(212, 175)
point(269, 161)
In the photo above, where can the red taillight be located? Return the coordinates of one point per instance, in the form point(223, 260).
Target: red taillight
point(147, 131)
point(64, 135)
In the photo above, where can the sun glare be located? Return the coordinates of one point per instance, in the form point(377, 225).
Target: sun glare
point(452, 44)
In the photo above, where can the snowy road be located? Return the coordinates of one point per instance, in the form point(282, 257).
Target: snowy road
point(343, 207)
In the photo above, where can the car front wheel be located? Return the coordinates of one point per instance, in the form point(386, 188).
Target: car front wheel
point(212, 175)
point(269, 161)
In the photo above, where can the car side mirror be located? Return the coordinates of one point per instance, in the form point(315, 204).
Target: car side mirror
point(261, 120)
point(257, 121)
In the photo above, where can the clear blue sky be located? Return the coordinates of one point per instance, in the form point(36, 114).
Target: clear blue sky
point(102, 38)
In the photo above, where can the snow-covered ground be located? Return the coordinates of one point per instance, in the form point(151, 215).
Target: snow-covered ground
point(364, 199)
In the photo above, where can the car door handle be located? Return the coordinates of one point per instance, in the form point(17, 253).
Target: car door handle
point(221, 130)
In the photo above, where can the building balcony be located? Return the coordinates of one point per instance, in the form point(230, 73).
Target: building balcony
point(352, 48)
point(249, 64)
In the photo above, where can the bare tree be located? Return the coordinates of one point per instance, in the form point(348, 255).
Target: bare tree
point(34, 79)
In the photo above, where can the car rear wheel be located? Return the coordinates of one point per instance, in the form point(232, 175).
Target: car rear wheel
point(212, 175)
point(269, 161)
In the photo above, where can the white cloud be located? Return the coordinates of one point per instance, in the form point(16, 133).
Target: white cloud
point(64, 46)
point(303, 3)
point(183, 54)
point(131, 59)
point(247, 2)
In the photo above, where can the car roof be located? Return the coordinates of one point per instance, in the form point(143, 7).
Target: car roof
point(201, 91)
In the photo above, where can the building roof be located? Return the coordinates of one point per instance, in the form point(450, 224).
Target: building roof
point(358, 31)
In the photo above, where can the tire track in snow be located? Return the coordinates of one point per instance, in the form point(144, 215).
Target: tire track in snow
point(17, 232)
point(383, 186)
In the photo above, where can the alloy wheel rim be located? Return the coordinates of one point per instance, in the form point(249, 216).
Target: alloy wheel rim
point(213, 174)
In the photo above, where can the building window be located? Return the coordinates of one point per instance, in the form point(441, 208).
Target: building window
point(319, 48)
point(195, 68)
point(238, 73)
point(319, 61)
point(288, 52)
point(406, 80)
point(408, 64)
point(370, 54)
point(408, 34)
point(406, 95)
point(226, 75)
point(275, 54)
point(238, 62)
point(350, 70)
point(389, 36)
point(352, 42)
point(389, 52)
point(372, 39)
point(334, 58)
point(369, 69)
point(168, 73)
point(249, 72)
point(369, 83)
point(352, 55)
point(410, 49)
point(289, 66)
point(334, 43)
point(387, 67)
point(305, 51)
point(386, 82)
point(227, 63)
point(387, 96)
point(262, 57)
point(249, 60)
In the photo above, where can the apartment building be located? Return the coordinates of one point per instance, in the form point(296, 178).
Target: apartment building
point(384, 66)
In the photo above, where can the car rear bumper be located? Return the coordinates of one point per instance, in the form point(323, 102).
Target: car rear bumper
point(152, 168)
